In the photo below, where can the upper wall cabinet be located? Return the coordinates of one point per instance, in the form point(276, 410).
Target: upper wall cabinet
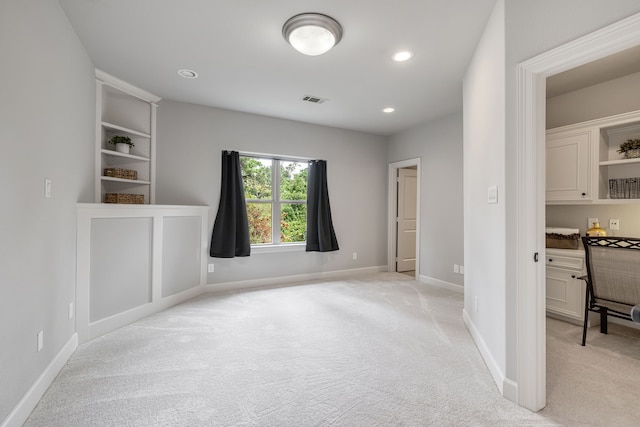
point(569, 165)
point(124, 110)
point(583, 165)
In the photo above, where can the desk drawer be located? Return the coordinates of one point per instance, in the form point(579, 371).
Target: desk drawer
point(569, 263)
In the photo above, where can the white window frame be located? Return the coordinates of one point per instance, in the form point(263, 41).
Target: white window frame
point(276, 245)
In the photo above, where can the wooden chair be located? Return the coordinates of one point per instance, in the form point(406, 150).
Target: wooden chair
point(613, 278)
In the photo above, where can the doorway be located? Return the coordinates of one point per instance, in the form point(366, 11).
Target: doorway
point(530, 206)
point(404, 217)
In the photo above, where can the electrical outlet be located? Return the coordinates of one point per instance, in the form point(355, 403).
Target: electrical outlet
point(456, 268)
point(40, 340)
point(591, 221)
point(614, 224)
point(211, 268)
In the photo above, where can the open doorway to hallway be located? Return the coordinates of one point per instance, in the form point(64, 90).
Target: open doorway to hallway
point(404, 195)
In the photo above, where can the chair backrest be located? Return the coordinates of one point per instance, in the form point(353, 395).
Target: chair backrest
point(613, 268)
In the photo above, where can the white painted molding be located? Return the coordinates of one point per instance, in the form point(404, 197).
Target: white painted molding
point(494, 368)
point(111, 323)
point(125, 87)
point(23, 409)
point(530, 194)
point(289, 280)
point(86, 212)
point(441, 284)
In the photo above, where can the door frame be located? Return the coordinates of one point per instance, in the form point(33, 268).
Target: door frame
point(392, 191)
point(530, 194)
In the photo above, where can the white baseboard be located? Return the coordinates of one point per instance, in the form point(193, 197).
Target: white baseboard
point(510, 390)
point(23, 409)
point(111, 323)
point(270, 281)
point(494, 369)
point(441, 283)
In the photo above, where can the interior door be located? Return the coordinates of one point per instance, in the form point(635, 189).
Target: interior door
point(406, 220)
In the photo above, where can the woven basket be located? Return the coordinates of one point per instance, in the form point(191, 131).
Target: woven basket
point(121, 173)
point(136, 199)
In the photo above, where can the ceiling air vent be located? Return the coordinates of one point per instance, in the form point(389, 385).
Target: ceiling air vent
point(314, 99)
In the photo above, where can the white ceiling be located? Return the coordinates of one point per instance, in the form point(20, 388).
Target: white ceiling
point(244, 64)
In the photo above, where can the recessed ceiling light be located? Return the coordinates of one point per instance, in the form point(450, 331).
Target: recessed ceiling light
point(402, 56)
point(188, 74)
point(388, 110)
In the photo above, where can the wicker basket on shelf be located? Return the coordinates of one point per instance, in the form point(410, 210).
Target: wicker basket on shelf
point(121, 173)
point(124, 198)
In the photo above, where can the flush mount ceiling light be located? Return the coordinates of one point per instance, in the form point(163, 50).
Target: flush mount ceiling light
point(312, 33)
point(188, 74)
point(402, 56)
point(388, 110)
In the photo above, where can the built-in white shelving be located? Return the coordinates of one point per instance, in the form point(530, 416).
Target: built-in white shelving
point(123, 109)
point(582, 159)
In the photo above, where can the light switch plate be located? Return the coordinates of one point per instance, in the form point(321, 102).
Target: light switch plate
point(614, 224)
point(492, 194)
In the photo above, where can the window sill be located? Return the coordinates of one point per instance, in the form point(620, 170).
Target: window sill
point(287, 247)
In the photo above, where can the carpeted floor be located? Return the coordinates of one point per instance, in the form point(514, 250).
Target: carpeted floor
point(383, 350)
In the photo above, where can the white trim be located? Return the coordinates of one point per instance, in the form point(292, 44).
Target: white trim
point(530, 204)
point(288, 280)
point(23, 409)
point(492, 365)
point(441, 284)
point(125, 87)
point(86, 212)
point(392, 191)
point(282, 247)
point(119, 320)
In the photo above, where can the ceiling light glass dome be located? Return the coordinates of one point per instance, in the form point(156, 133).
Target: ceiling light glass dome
point(312, 33)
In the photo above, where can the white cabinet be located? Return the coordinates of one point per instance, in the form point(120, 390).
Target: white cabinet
point(581, 159)
point(569, 165)
point(565, 292)
point(123, 109)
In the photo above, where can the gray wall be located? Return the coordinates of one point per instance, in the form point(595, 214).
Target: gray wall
point(47, 115)
point(439, 146)
point(191, 138)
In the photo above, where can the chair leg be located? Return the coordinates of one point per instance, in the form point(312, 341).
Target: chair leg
point(603, 321)
point(586, 318)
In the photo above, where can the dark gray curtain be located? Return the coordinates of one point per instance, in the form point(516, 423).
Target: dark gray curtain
point(230, 237)
point(320, 234)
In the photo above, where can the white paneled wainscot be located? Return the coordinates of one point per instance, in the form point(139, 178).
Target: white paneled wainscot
point(136, 260)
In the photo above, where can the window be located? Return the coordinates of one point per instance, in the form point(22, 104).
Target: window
point(276, 195)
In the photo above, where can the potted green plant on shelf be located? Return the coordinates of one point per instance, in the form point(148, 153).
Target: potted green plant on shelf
point(123, 143)
point(630, 148)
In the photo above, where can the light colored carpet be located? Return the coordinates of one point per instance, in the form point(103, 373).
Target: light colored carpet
point(595, 385)
point(378, 351)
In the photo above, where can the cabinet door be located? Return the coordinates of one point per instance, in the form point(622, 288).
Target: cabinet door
point(568, 164)
point(565, 293)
